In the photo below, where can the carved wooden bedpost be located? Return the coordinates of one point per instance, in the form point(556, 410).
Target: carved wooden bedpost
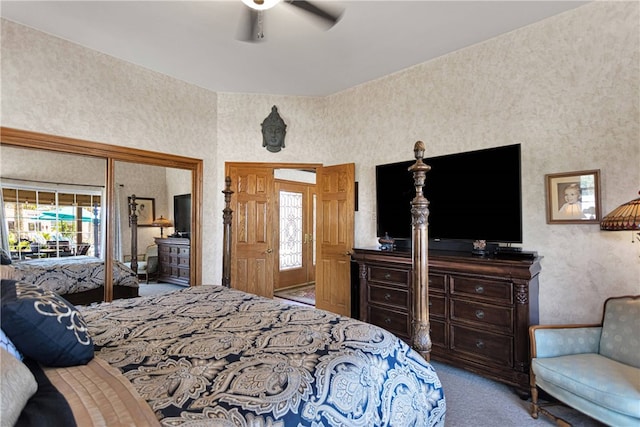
point(421, 340)
point(133, 222)
point(227, 215)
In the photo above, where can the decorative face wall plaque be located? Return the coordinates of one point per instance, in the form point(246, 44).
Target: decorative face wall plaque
point(273, 131)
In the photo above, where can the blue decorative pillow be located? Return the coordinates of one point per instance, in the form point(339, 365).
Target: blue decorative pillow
point(6, 343)
point(43, 325)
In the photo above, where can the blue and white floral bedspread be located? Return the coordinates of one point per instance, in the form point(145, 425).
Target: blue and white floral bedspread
point(209, 355)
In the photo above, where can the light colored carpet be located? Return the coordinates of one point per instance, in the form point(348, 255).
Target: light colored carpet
point(475, 401)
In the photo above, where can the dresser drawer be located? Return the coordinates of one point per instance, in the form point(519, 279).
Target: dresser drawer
point(165, 258)
point(390, 296)
point(397, 323)
point(437, 306)
point(389, 275)
point(167, 270)
point(183, 262)
point(492, 348)
point(438, 333)
point(183, 273)
point(437, 281)
point(482, 315)
point(481, 288)
point(183, 252)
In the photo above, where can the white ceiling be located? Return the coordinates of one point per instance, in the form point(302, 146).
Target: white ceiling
point(196, 41)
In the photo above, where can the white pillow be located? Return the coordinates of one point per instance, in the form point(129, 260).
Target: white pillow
point(17, 386)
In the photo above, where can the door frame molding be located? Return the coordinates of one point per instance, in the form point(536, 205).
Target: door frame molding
point(268, 165)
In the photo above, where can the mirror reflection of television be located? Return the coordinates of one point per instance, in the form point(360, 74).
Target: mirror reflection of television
point(182, 215)
point(474, 195)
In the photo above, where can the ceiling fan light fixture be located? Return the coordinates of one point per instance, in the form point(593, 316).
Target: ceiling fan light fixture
point(260, 4)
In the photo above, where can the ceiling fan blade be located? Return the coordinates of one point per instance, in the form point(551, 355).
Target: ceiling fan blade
point(330, 17)
point(251, 30)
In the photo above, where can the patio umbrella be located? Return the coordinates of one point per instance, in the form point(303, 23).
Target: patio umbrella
point(64, 216)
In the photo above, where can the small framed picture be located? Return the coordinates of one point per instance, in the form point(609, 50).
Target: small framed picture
point(145, 210)
point(573, 197)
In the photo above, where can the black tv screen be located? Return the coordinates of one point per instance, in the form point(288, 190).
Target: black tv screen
point(182, 214)
point(475, 195)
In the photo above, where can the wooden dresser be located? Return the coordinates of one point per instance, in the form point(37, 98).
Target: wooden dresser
point(480, 309)
point(174, 260)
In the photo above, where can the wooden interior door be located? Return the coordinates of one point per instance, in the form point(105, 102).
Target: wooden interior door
point(252, 252)
point(335, 232)
point(298, 267)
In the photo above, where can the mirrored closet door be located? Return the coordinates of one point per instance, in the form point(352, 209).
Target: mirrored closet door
point(65, 197)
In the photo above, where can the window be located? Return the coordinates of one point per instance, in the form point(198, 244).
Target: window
point(46, 222)
point(290, 230)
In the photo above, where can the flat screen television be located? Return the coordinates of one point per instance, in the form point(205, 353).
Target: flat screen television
point(474, 195)
point(182, 214)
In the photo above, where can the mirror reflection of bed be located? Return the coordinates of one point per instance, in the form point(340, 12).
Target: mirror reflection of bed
point(31, 160)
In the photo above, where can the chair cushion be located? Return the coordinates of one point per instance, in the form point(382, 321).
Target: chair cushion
point(43, 325)
point(142, 266)
point(621, 331)
point(596, 378)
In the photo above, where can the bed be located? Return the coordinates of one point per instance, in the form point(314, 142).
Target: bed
point(80, 279)
point(214, 356)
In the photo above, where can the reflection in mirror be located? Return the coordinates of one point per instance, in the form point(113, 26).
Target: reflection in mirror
point(32, 156)
point(51, 210)
point(52, 220)
point(161, 254)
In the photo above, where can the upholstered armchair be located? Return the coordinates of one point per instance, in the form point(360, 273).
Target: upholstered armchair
point(147, 263)
point(594, 369)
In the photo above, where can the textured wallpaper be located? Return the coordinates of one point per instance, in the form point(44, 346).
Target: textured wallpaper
point(566, 88)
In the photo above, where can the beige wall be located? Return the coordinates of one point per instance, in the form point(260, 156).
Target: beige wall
point(568, 90)
point(565, 88)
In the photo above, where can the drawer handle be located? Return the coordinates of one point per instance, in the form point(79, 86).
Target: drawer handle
point(480, 344)
point(480, 314)
point(430, 303)
point(387, 296)
point(479, 289)
point(387, 320)
point(387, 276)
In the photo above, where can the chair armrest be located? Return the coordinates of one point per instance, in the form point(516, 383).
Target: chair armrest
point(562, 340)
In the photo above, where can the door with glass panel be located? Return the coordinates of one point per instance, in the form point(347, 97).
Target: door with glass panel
point(296, 230)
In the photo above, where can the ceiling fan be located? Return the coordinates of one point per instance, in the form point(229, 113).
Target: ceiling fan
point(253, 26)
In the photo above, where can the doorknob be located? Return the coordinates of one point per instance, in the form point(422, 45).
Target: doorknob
point(347, 253)
point(269, 250)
